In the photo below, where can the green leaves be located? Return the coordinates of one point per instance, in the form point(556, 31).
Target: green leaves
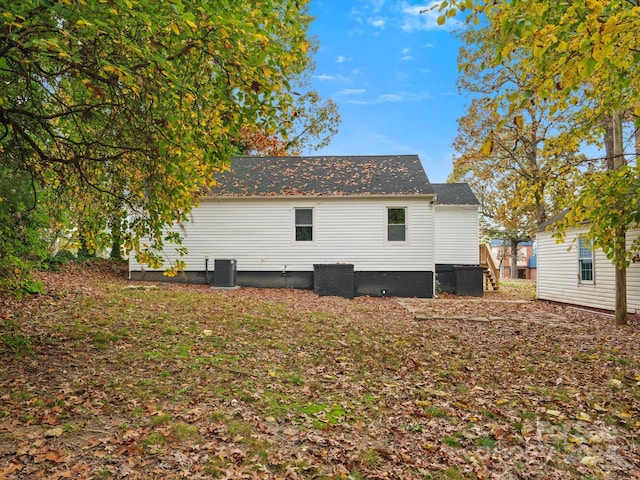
point(115, 105)
point(586, 67)
point(21, 232)
point(607, 202)
point(574, 43)
point(511, 147)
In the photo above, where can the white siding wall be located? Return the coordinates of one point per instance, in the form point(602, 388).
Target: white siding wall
point(259, 233)
point(558, 278)
point(457, 234)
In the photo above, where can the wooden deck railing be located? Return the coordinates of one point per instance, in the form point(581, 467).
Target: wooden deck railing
point(490, 267)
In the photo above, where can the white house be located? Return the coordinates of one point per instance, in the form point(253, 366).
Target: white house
point(572, 272)
point(457, 233)
point(457, 224)
point(285, 220)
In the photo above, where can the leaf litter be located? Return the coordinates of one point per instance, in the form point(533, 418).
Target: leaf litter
point(182, 381)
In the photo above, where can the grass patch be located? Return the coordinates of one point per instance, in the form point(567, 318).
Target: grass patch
point(368, 457)
point(103, 338)
point(518, 289)
point(186, 433)
point(13, 339)
point(323, 415)
point(435, 411)
point(451, 441)
point(451, 473)
point(160, 418)
point(155, 439)
point(414, 427)
point(237, 427)
point(486, 442)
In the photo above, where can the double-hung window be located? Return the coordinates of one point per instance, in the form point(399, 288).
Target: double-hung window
point(396, 224)
point(304, 224)
point(585, 260)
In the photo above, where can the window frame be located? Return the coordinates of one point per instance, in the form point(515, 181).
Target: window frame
point(297, 225)
point(584, 244)
point(405, 239)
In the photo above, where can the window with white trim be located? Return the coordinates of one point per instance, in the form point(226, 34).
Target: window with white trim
point(396, 224)
point(585, 260)
point(304, 224)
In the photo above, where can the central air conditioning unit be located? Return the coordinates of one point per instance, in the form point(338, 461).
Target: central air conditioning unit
point(224, 272)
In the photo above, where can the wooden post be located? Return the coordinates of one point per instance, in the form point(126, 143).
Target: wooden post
point(620, 233)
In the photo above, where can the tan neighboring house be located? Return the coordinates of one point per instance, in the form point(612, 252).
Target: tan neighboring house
point(573, 272)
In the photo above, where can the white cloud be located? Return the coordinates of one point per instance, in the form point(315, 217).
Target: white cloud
point(352, 91)
point(386, 143)
point(368, 13)
point(376, 5)
point(332, 78)
point(342, 59)
point(377, 22)
point(324, 77)
point(391, 98)
point(407, 57)
point(425, 17)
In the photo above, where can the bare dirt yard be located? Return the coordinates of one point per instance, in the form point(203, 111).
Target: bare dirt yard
point(102, 378)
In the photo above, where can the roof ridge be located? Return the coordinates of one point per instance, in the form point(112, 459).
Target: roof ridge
point(324, 175)
point(257, 157)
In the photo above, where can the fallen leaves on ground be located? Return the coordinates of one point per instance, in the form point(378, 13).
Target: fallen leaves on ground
point(182, 381)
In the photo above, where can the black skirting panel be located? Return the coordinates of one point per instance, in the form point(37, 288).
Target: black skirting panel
point(336, 279)
point(181, 277)
point(459, 279)
point(332, 280)
point(445, 279)
point(302, 280)
point(394, 284)
point(469, 280)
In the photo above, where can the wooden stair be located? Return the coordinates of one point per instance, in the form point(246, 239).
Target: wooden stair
point(491, 272)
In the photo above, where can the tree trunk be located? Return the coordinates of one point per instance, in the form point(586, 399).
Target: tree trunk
point(116, 252)
point(637, 139)
point(514, 259)
point(84, 252)
point(608, 141)
point(534, 168)
point(116, 240)
point(620, 233)
point(621, 279)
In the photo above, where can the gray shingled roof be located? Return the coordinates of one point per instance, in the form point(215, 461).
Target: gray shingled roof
point(454, 194)
point(550, 221)
point(324, 176)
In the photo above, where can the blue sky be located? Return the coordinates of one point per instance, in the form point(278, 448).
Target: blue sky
point(392, 71)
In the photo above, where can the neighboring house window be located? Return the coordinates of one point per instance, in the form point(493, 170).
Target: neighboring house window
point(585, 259)
point(396, 224)
point(304, 224)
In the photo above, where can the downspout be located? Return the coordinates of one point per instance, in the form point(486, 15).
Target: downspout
point(432, 204)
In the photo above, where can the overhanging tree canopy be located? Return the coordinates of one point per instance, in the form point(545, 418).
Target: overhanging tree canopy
point(139, 103)
point(571, 51)
point(509, 156)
